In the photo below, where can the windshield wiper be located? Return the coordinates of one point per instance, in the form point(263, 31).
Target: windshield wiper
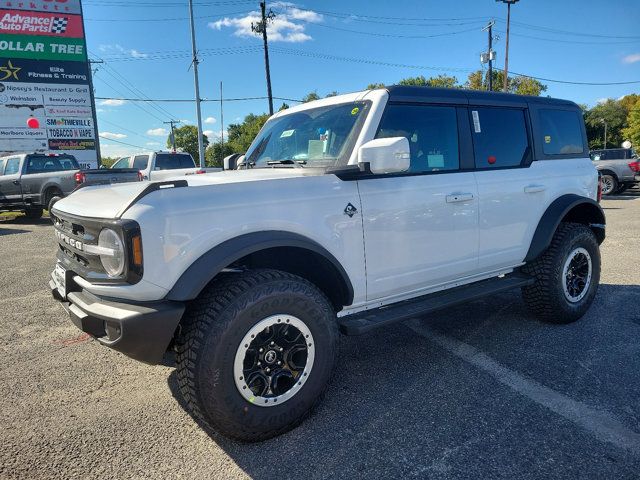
point(295, 163)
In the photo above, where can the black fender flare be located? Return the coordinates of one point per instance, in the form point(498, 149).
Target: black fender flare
point(555, 213)
point(205, 268)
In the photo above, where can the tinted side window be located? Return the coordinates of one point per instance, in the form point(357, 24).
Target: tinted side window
point(432, 133)
point(140, 162)
point(499, 137)
point(561, 132)
point(43, 164)
point(13, 165)
point(1, 167)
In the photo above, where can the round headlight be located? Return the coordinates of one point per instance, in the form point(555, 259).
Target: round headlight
point(113, 261)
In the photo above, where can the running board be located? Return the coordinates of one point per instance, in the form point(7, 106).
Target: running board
point(362, 322)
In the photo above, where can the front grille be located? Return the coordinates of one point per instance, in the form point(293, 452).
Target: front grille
point(73, 233)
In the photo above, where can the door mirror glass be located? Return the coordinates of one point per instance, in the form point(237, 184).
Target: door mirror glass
point(386, 155)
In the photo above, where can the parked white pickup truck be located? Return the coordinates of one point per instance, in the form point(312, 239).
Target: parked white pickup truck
point(157, 166)
point(351, 213)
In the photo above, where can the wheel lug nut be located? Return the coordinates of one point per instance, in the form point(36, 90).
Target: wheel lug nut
point(279, 362)
point(259, 363)
point(272, 344)
point(261, 350)
point(268, 370)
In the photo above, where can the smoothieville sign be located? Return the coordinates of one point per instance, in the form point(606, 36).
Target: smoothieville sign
point(46, 100)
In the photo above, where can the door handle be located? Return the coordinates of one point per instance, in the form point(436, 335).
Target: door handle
point(16, 182)
point(459, 197)
point(534, 188)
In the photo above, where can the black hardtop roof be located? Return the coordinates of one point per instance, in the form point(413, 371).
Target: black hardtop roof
point(402, 93)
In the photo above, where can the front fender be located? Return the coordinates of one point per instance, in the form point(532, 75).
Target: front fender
point(205, 268)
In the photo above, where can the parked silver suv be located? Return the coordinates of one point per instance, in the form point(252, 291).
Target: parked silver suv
point(619, 168)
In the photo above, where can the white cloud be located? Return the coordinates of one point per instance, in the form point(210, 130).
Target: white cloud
point(214, 135)
point(120, 49)
point(157, 132)
point(288, 26)
point(112, 135)
point(601, 100)
point(208, 133)
point(112, 102)
point(151, 144)
point(186, 121)
point(633, 58)
point(210, 120)
point(100, 110)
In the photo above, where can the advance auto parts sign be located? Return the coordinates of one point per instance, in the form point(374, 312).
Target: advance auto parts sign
point(44, 75)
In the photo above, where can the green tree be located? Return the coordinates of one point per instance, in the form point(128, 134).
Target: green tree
point(239, 138)
point(284, 106)
point(373, 86)
point(632, 131)
point(443, 81)
point(519, 85)
point(310, 97)
point(615, 115)
point(331, 94)
point(106, 162)
point(187, 140)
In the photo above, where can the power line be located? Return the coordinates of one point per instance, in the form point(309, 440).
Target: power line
point(392, 35)
point(172, 19)
point(123, 143)
point(103, 120)
point(179, 100)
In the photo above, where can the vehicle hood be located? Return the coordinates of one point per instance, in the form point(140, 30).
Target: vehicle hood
point(110, 201)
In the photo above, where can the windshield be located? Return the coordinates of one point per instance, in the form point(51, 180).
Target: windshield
point(317, 137)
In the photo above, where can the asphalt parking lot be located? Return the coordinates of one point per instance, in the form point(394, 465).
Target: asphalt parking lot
point(479, 391)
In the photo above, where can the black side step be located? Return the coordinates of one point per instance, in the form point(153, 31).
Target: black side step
point(363, 322)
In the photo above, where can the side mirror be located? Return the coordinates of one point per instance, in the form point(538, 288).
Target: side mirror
point(230, 162)
point(386, 155)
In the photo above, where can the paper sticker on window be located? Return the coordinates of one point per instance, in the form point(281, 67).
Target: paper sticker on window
point(547, 139)
point(355, 111)
point(476, 121)
point(287, 133)
point(435, 161)
point(316, 148)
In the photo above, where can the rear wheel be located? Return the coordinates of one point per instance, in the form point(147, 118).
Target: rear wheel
point(256, 353)
point(609, 184)
point(566, 275)
point(622, 188)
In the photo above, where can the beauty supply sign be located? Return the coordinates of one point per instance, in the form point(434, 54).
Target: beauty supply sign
point(44, 75)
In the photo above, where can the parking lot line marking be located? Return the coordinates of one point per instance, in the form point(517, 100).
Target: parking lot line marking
point(603, 425)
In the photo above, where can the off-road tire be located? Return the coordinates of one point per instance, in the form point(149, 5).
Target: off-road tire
point(545, 297)
point(607, 180)
point(212, 330)
point(33, 213)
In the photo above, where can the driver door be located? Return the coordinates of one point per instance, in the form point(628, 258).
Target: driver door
point(421, 227)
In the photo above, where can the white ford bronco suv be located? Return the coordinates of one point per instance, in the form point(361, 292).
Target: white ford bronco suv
point(351, 213)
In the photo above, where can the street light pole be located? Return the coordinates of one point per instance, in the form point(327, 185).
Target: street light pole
point(195, 62)
point(605, 131)
point(506, 53)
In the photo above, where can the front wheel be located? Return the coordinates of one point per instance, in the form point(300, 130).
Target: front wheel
point(33, 213)
point(566, 275)
point(256, 353)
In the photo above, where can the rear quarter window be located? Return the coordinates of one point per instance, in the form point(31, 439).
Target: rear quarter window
point(173, 161)
point(560, 132)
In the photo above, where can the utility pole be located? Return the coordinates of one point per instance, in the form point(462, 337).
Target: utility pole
point(490, 55)
point(261, 28)
point(605, 131)
point(195, 62)
point(506, 54)
point(173, 135)
point(221, 121)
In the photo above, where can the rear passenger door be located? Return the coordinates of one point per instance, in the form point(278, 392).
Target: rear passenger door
point(512, 195)
point(421, 227)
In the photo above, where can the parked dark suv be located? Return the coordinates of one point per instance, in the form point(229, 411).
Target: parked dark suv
point(31, 182)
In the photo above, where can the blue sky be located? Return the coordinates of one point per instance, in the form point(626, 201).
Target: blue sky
point(338, 45)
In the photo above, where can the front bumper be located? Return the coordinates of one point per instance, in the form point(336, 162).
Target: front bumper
point(141, 331)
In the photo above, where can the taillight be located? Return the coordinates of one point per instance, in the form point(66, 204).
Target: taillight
point(80, 178)
point(140, 176)
point(200, 171)
point(635, 166)
point(599, 188)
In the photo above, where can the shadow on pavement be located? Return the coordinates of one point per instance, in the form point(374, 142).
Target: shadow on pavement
point(400, 406)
